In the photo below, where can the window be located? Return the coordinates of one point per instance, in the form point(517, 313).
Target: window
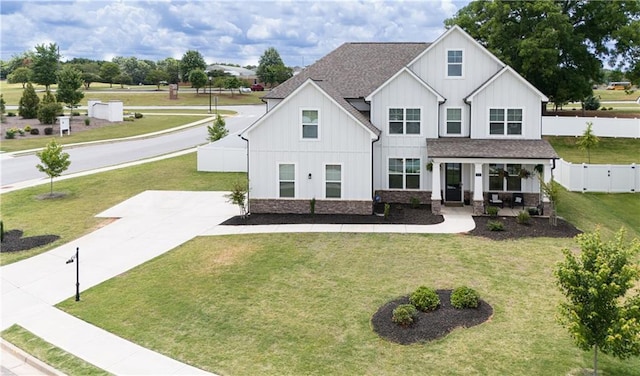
point(287, 180)
point(505, 121)
point(454, 121)
point(404, 173)
point(333, 181)
point(505, 177)
point(404, 121)
point(454, 63)
point(310, 124)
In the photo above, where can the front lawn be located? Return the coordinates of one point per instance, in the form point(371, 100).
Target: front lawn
point(301, 304)
point(608, 151)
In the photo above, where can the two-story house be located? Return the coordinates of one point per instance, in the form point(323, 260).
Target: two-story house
point(444, 122)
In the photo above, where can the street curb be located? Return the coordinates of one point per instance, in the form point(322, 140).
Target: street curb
point(29, 359)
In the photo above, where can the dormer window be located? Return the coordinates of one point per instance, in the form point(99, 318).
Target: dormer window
point(454, 63)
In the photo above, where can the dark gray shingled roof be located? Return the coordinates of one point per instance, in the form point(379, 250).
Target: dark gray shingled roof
point(481, 148)
point(355, 70)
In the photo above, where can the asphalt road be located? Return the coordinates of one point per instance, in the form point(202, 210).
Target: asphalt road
point(17, 169)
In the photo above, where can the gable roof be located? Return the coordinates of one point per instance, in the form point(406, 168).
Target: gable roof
point(506, 70)
point(354, 70)
point(439, 97)
point(331, 93)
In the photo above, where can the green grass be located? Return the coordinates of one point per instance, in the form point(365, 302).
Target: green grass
point(52, 355)
point(147, 124)
point(87, 196)
point(301, 304)
point(616, 95)
point(608, 151)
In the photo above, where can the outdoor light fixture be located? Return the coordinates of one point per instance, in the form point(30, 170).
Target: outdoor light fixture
point(210, 93)
point(309, 175)
point(76, 257)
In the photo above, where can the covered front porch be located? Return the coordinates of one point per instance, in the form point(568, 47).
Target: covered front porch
point(479, 173)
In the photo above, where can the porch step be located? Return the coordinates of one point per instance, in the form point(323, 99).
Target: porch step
point(454, 204)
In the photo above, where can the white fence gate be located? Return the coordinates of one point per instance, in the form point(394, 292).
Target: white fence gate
point(597, 178)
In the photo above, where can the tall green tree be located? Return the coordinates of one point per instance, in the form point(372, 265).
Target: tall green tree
point(157, 75)
point(556, 45)
point(588, 140)
point(198, 79)
point(28, 104)
point(134, 68)
point(598, 312)
point(21, 75)
point(69, 83)
point(45, 64)
point(53, 161)
point(271, 69)
point(123, 79)
point(191, 60)
point(172, 67)
point(109, 71)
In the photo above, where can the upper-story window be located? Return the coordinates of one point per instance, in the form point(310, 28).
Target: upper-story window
point(454, 121)
point(404, 121)
point(505, 121)
point(310, 124)
point(454, 63)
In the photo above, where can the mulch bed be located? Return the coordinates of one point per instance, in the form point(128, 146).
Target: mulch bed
point(77, 125)
point(428, 326)
point(537, 227)
point(14, 242)
point(399, 214)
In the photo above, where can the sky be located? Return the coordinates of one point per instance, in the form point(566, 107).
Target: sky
point(227, 31)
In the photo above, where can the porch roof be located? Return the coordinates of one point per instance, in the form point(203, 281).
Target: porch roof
point(484, 148)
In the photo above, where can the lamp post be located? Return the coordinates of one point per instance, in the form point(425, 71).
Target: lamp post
point(76, 257)
point(210, 94)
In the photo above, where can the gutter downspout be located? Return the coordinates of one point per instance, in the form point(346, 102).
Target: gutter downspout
point(248, 190)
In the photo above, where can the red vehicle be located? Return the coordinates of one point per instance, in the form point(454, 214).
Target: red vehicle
point(257, 87)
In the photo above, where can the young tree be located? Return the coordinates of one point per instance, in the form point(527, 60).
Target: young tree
point(45, 64)
point(198, 79)
point(588, 140)
point(69, 83)
point(22, 75)
point(217, 130)
point(109, 71)
point(157, 75)
point(3, 107)
point(552, 191)
point(238, 196)
point(49, 108)
point(596, 283)
point(271, 68)
point(28, 105)
point(191, 60)
point(232, 82)
point(54, 161)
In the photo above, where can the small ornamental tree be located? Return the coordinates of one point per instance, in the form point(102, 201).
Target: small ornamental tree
point(238, 196)
point(49, 108)
point(588, 140)
point(598, 313)
point(28, 105)
point(198, 79)
point(69, 83)
point(217, 130)
point(54, 161)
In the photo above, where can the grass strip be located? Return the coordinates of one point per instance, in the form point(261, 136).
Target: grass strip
point(608, 151)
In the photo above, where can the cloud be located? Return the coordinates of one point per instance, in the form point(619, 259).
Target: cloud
point(222, 31)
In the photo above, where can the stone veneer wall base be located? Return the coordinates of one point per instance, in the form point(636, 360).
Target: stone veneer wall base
point(277, 206)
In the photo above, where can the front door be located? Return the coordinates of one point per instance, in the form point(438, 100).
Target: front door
point(453, 180)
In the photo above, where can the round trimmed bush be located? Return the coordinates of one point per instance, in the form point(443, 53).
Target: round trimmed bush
point(425, 299)
point(404, 314)
point(464, 297)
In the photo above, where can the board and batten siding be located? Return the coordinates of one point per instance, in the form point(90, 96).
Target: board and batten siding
point(342, 141)
point(478, 66)
point(402, 92)
point(507, 91)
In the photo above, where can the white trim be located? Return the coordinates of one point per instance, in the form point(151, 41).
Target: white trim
point(505, 121)
point(446, 121)
point(439, 97)
point(295, 180)
point(404, 173)
point(506, 68)
point(446, 64)
point(404, 121)
point(324, 179)
point(301, 123)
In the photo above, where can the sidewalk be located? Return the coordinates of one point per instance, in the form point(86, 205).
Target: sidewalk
point(149, 225)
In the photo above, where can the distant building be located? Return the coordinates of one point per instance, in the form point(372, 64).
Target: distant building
point(234, 71)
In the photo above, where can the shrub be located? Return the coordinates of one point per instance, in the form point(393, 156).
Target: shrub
point(404, 314)
point(1, 231)
point(137, 115)
point(21, 131)
point(533, 211)
point(425, 299)
point(11, 133)
point(464, 297)
point(128, 119)
point(87, 121)
point(591, 103)
point(495, 226)
point(48, 131)
point(523, 217)
point(28, 104)
point(387, 210)
point(27, 128)
point(11, 114)
point(415, 202)
point(312, 206)
point(47, 112)
point(603, 109)
point(492, 211)
point(75, 113)
point(34, 131)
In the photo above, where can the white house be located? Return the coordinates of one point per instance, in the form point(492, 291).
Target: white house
point(445, 122)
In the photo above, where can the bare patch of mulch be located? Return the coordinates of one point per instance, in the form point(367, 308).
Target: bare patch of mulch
point(537, 227)
point(428, 326)
point(14, 242)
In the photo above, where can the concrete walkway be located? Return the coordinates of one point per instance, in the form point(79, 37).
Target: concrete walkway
point(148, 225)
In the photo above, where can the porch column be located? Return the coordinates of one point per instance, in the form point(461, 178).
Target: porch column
point(436, 196)
point(478, 194)
point(546, 176)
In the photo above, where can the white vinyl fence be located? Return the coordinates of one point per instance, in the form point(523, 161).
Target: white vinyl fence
point(228, 154)
point(584, 177)
point(602, 127)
